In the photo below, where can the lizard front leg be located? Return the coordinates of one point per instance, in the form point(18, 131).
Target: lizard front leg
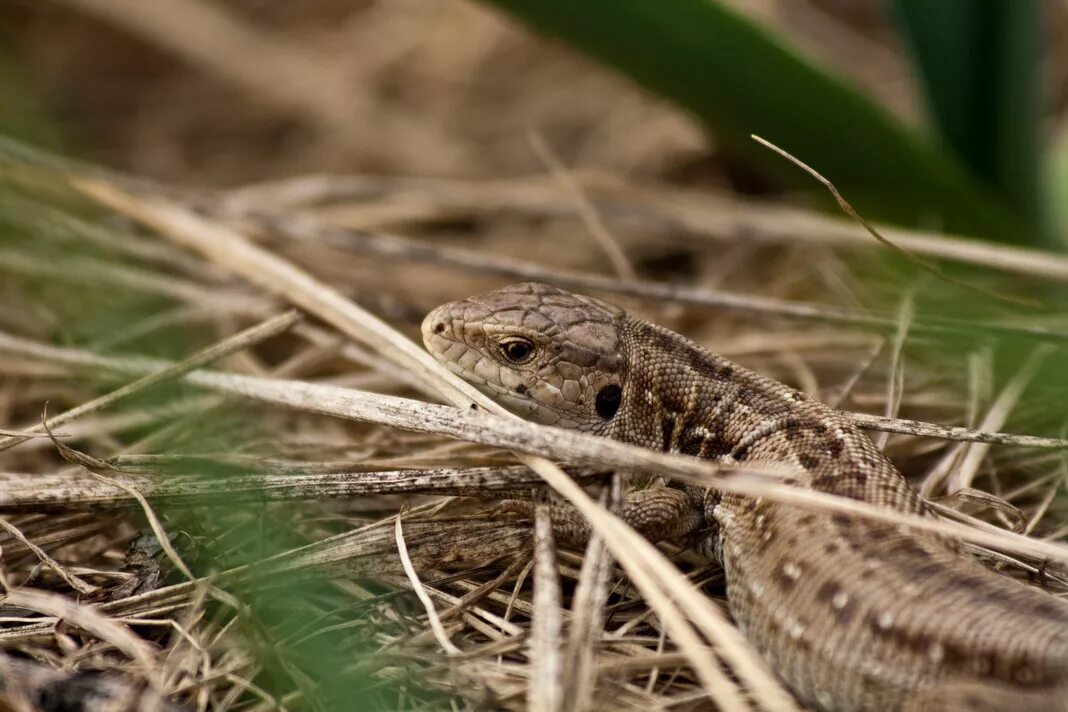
point(657, 513)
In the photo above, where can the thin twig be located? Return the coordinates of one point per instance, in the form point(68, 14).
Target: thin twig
point(587, 212)
point(72, 580)
point(920, 262)
point(417, 586)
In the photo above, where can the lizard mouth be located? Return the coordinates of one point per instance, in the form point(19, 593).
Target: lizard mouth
point(439, 329)
point(521, 405)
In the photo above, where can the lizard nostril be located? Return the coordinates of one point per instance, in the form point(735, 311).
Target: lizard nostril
point(439, 327)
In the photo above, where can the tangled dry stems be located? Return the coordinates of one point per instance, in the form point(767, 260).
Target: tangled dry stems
point(274, 510)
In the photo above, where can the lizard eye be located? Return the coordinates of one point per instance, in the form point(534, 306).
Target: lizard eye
point(516, 349)
point(607, 401)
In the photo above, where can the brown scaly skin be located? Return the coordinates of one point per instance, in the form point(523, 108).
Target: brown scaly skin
point(853, 614)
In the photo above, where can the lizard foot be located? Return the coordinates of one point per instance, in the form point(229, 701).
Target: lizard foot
point(656, 513)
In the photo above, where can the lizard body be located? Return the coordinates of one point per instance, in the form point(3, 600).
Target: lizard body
point(853, 614)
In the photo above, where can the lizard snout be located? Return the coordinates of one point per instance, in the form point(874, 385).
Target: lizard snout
point(436, 326)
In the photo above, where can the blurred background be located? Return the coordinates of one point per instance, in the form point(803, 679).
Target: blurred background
point(950, 115)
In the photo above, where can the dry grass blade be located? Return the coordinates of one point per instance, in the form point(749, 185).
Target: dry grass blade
point(72, 490)
point(545, 693)
point(995, 418)
point(587, 615)
point(904, 426)
point(28, 434)
point(420, 591)
point(896, 383)
point(274, 274)
point(71, 579)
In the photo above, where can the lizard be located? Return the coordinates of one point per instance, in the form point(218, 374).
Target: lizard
point(851, 613)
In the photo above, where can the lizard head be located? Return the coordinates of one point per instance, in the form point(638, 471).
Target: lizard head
point(543, 353)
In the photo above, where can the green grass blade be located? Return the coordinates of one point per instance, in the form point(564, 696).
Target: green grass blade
point(980, 66)
point(740, 79)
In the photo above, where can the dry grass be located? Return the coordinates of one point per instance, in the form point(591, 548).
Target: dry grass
point(243, 509)
point(272, 548)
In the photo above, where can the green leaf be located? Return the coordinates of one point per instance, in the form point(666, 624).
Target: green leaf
point(739, 79)
point(980, 63)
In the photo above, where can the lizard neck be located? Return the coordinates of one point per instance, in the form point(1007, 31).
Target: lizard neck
point(680, 397)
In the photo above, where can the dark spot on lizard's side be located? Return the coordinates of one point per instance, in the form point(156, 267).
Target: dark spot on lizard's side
point(834, 447)
point(910, 548)
point(827, 591)
point(744, 396)
point(691, 444)
point(810, 462)
point(804, 644)
point(950, 656)
point(1052, 610)
point(1024, 672)
point(929, 568)
point(825, 482)
point(714, 447)
point(784, 580)
point(953, 657)
point(667, 432)
point(663, 340)
point(845, 613)
point(674, 400)
point(848, 484)
point(608, 400)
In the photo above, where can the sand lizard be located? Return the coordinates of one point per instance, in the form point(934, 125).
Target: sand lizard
point(853, 614)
